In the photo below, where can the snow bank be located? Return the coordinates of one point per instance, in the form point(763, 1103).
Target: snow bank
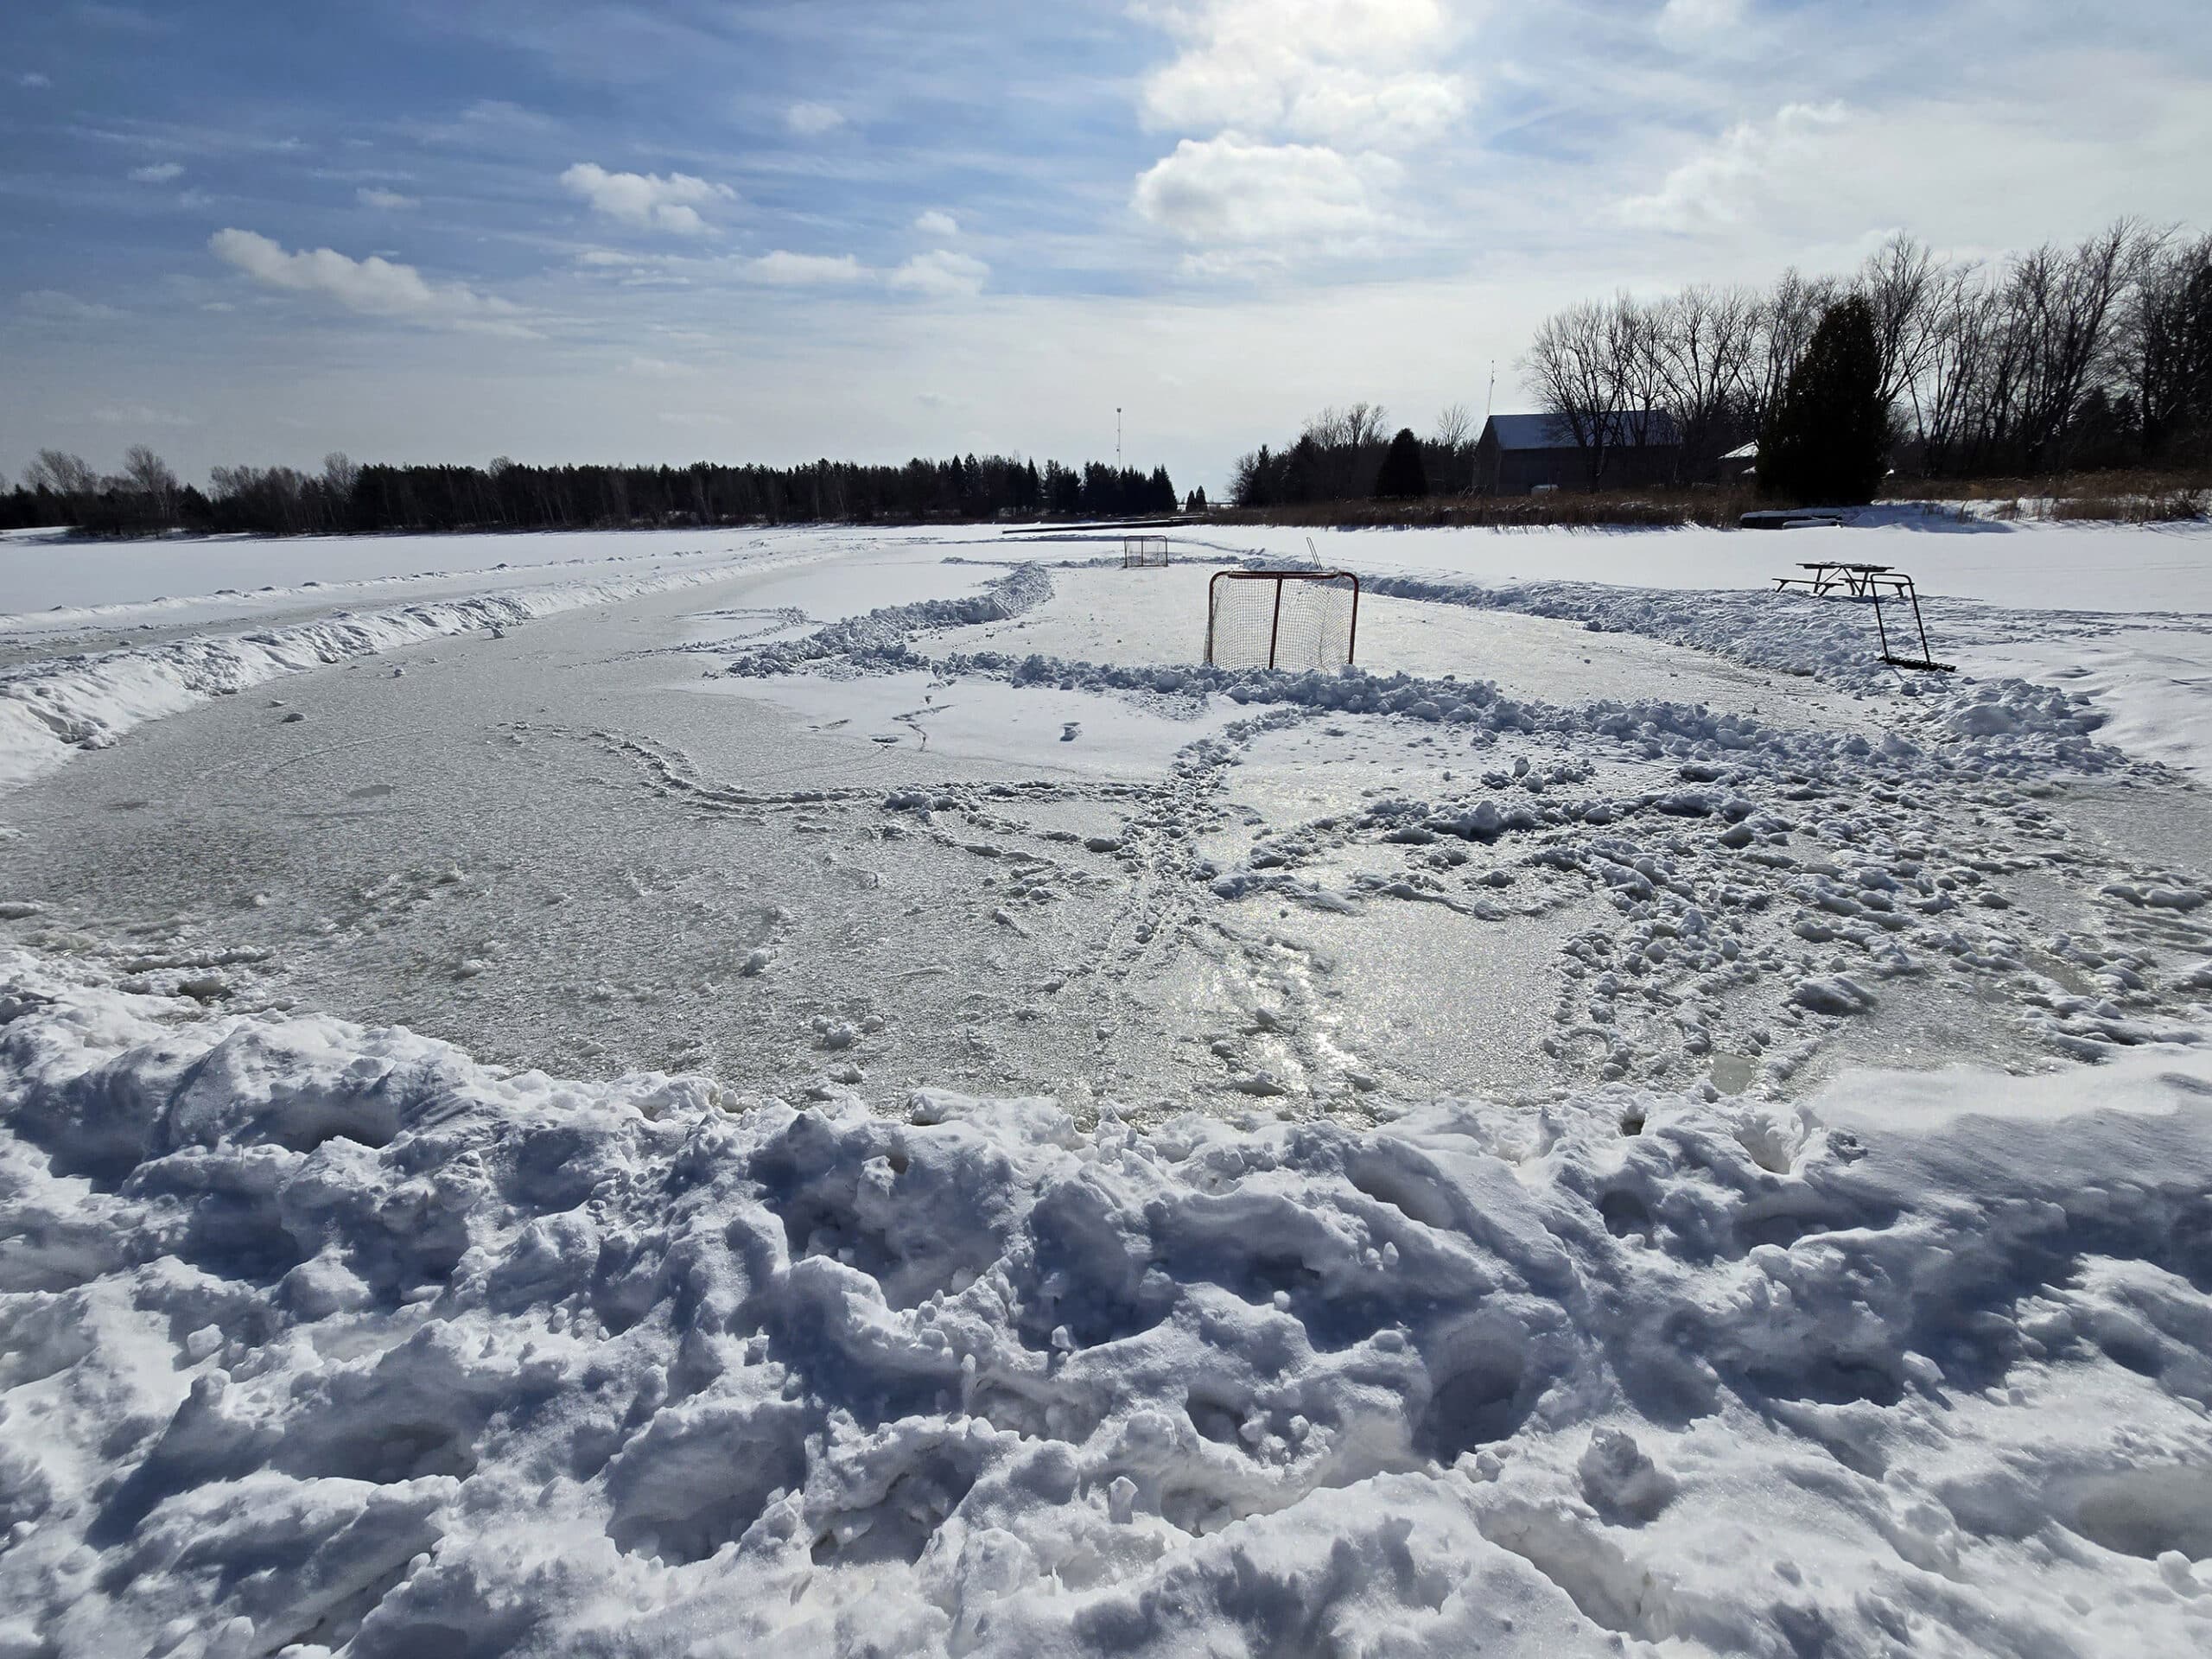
point(882, 638)
point(2155, 682)
point(331, 1335)
point(49, 707)
point(2006, 727)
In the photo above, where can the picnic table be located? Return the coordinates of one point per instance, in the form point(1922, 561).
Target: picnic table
point(1839, 579)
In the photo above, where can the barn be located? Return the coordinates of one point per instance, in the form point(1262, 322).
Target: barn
point(1517, 454)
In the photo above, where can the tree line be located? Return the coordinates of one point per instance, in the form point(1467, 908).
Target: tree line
point(2065, 358)
point(147, 497)
point(1340, 456)
point(2080, 357)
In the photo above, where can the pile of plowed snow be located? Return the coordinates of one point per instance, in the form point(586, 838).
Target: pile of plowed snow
point(327, 1336)
point(88, 701)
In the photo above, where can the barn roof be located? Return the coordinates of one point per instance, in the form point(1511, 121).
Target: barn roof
point(1549, 432)
point(1530, 432)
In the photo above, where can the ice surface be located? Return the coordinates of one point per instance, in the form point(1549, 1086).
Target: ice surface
point(49, 581)
point(1619, 1124)
point(1153, 883)
point(2043, 566)
point(1046, 730)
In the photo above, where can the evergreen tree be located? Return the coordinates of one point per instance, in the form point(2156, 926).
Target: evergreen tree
point(1827, 442)
point(1299, 477)
point(1256, 487)
point(1402, 477)
point(2197, 357)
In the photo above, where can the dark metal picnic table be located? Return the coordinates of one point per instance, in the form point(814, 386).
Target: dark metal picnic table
point(1836, 579)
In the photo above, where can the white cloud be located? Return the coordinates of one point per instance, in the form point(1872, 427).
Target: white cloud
point(812, 120)
point(1359, 72)
point(941, 274)
point(57, 307)
point(647, 200)
point(389, 200)
point(158, 173)
point(1309, 104)
point(805, 269)
point(33, 81)
point(1726, 183)
point(125, 19)
point(1240, 264)
point(659, 368)
point(138, 415)
point(498, 114)
point(374, 287)
point(934, 223)
point(1690, 18)
point(1227, 189)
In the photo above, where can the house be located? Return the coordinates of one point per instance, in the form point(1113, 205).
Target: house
point(1518, 454)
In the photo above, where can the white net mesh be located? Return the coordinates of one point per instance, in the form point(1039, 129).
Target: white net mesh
point(1277, 619)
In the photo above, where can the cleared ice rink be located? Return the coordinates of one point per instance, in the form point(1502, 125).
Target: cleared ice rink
point(806, 1090)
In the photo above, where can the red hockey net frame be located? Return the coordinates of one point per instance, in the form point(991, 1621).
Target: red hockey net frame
point(1281, 618)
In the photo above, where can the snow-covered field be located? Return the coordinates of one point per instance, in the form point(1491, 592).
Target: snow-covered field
point(840, 1089)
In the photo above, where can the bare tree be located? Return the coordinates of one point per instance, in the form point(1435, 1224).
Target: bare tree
point(339, 475)
point(148, 475)
point(1364, 424)
point(276, 497)
point(1637, 347)
point(1793, 310)
point(1964, 352)
point(1448, 456)
point(1575, 365)
point(1336, 456)
point(1703, 344)
point(2165, 347)
point(61, 472)
point(1901, 282)
point(2064, 299)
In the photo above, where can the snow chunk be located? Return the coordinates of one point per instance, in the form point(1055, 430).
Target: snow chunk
point(1834, 994)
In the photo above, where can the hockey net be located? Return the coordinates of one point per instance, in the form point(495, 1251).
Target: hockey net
point(1143, 549)
point(1288, 620)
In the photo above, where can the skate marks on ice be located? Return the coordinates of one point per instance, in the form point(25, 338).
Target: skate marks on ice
point(1626, 917)
point(1742, 894)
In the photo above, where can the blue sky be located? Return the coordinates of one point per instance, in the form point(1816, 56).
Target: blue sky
point(257, 232)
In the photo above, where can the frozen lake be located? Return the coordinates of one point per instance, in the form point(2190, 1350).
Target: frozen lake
point(827, 1082)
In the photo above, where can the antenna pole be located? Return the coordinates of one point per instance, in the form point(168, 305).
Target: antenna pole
point(1117, 437)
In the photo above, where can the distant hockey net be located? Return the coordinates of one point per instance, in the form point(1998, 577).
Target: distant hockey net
point(1281, 618)
point(1143, 549)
